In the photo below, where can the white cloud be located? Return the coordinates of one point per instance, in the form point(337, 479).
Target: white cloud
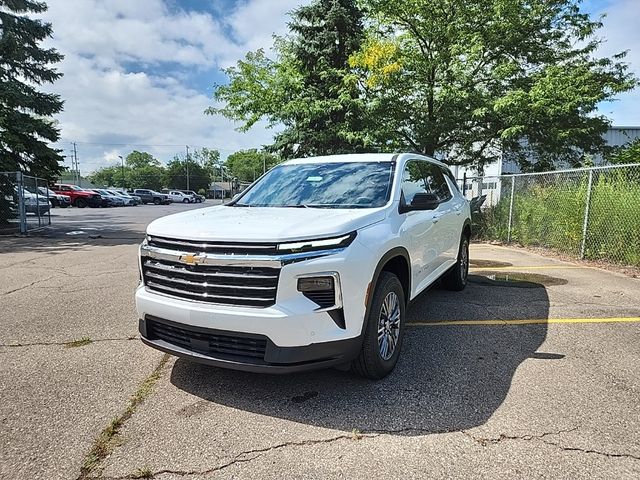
point(108, 103)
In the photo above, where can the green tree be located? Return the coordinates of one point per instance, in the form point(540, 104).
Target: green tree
point(629, 153)
point(142, 170)
point(175, 175)
point(248, 165)
point(26, 126)
point(308, 88)
point(473, 79)
point(209, 158)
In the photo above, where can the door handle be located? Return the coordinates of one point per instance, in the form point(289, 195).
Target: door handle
point(436, 218)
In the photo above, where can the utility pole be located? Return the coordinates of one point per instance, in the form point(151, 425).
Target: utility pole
point(187, 164)
point(76, 172)
point(122, 170)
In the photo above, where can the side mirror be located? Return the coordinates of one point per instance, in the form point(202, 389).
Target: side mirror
point(424, 201)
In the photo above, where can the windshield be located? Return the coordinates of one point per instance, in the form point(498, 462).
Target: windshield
point(323, 185)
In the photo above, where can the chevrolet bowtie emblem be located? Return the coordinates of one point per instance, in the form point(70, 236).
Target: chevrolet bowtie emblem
point(191, 259)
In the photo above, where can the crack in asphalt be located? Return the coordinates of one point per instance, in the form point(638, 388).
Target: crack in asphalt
point(243, 457)
point(47, 344)
point(35, 282)
point(541, 437)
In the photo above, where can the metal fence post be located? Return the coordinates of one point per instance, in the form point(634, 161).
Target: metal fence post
point(513, 190)
point(21, 206)
point(585, 224)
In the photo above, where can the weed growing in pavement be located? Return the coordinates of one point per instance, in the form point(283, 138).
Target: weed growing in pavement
point(143, 472)
point(110, 437)
point(79, 343)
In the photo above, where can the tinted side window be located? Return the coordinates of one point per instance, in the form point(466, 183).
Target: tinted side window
point(437, 183)
point(413, 180)
point(424, 177)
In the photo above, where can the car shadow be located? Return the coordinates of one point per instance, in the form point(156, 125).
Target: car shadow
point(449, 377)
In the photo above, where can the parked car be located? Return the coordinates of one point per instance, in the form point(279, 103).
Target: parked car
point(151, 196)
point(130, 200)
point(36, 204)
point(319, 275)
point(198, 198)
point(80, 197)
point(56, 199)
point(176, 196)
point(115, 200)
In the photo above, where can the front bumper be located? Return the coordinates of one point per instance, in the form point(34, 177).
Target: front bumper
point(196, 346)
point(299, 334)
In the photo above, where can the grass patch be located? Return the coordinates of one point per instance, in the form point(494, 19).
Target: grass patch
point(551, 215)
point(144, 472)
point(110, 437)
point(78, 343)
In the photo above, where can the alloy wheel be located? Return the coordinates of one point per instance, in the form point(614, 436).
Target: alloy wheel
point(389, 326)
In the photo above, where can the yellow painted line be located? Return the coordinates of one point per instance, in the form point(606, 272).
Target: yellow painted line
point(528, 321)
point(530, 267)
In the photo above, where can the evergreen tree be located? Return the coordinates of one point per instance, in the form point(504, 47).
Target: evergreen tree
point(308, 88)
point(26, 126)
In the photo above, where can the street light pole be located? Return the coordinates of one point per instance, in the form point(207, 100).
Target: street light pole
point(122, 171)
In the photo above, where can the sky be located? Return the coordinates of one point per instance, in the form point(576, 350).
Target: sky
point(138, 74)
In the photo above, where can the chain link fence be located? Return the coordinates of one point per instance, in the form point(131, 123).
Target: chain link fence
point(591, 213)
point(24, 203)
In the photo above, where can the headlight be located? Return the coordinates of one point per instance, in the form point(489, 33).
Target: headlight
point(320, 244)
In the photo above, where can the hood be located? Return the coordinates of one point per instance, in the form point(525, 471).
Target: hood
point(262, 224)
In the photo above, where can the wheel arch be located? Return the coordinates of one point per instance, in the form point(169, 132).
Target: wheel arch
point(396, 261)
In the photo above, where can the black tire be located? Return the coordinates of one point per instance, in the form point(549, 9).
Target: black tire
point(157, 201)
point(371, 362)
point(80, 203)
point(54, 203)
point(456, 277)
point(186, 200)
point(198, 200)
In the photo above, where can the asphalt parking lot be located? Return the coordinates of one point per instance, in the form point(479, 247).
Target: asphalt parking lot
point(532, 371)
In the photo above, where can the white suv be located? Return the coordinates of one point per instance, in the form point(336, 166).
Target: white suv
point(312, 266)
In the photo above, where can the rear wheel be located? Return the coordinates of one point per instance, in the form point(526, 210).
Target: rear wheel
point(456, 278)
point(80, 203)
point(384, 329)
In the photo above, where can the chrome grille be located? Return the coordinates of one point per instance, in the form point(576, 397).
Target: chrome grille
point(221, 284)
point(213, 247)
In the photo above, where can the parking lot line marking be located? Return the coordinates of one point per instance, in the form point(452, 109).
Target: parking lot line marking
point(528, 321)
point(530, 267)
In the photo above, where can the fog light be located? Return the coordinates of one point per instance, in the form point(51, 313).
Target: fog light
point(315, 284)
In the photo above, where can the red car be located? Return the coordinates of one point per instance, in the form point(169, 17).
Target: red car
point(79, 197)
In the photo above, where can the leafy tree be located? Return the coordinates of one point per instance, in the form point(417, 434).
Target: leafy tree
point(247, 165)
point(175, 175)
point(629, 153)
point(141, 170)
point(469, 80)
point(307, 88)
point(25, 113)
point(209, 158)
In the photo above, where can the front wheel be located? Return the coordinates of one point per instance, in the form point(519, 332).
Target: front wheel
point(383, 330)
point(80, 203)
point(157, 201)
point(186, 200)
point(456, 278)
